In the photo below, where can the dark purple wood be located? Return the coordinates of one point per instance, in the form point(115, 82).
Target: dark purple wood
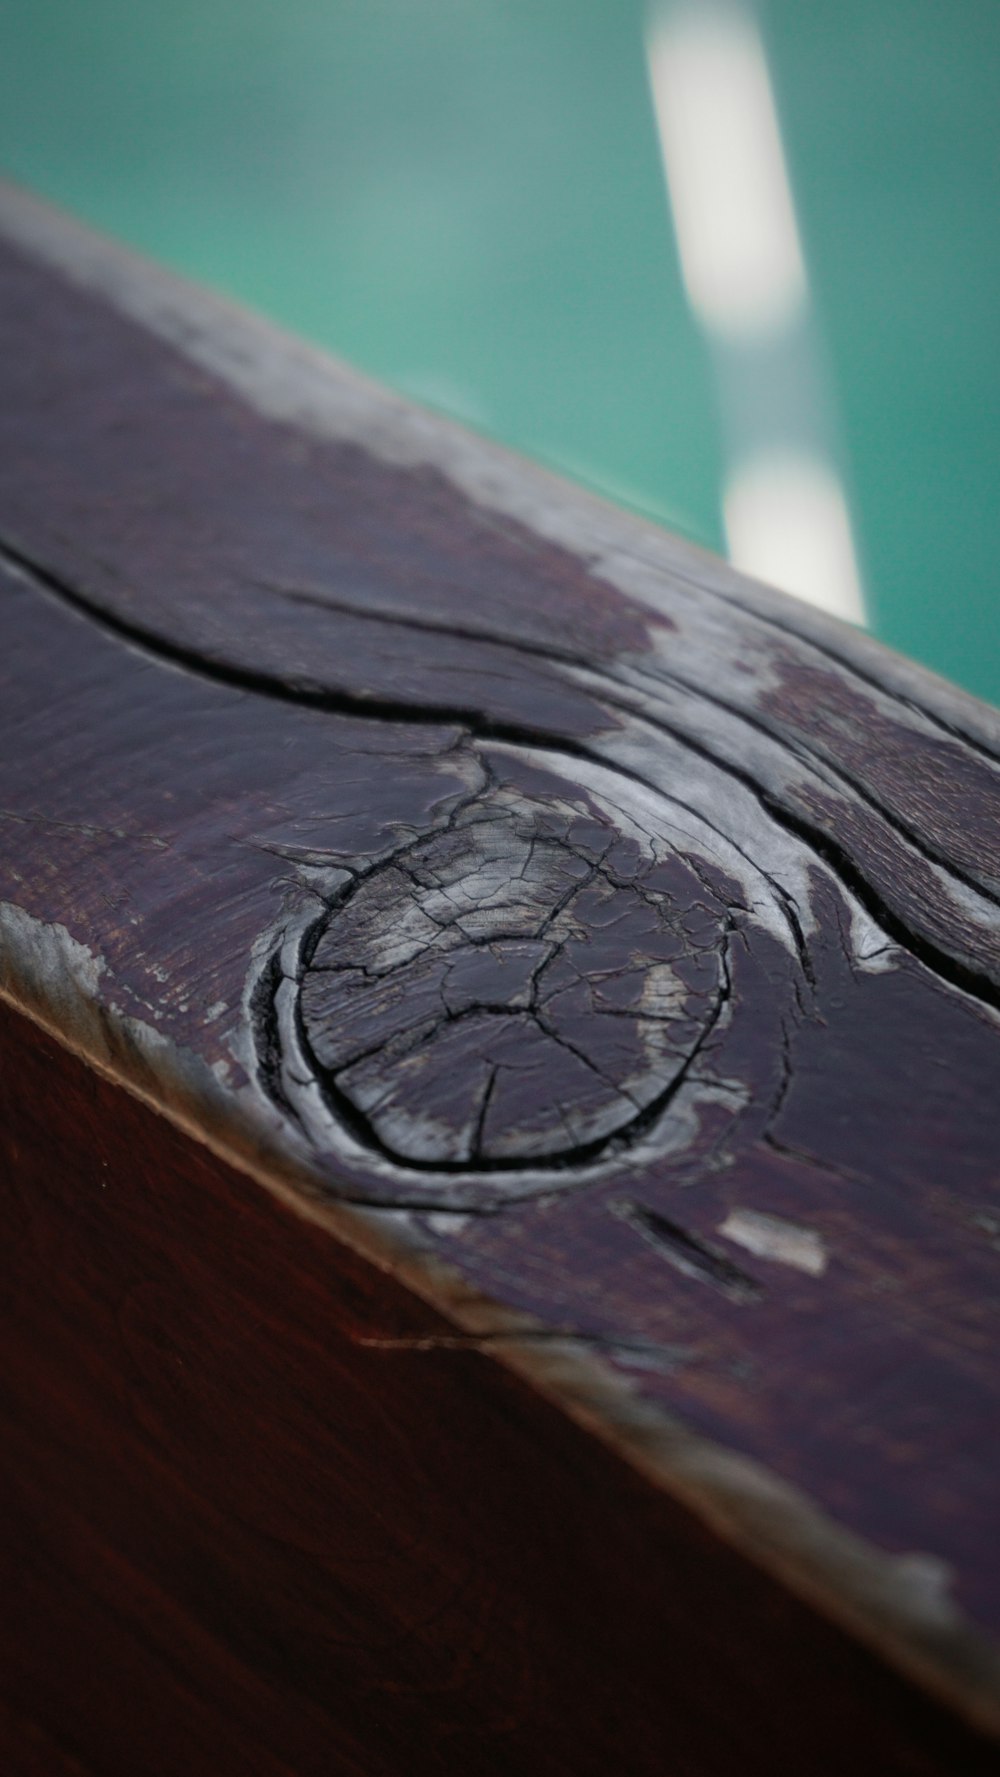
point(260, 1516)
point(626, 949)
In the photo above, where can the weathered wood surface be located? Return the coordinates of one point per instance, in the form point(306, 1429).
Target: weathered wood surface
point(587, 959)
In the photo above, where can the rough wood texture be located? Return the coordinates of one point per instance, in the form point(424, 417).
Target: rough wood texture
point(589, 959)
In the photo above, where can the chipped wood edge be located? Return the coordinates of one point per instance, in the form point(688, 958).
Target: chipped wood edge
point(897, 1606)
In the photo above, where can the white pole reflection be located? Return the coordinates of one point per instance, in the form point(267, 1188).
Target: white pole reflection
point(787, 523)
point(785, 511)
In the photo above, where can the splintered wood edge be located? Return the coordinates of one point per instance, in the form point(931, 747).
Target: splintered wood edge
point(898, 1606)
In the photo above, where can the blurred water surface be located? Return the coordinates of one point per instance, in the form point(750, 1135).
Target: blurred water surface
point(466, 198)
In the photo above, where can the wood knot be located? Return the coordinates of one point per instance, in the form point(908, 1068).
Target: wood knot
point(523, 988)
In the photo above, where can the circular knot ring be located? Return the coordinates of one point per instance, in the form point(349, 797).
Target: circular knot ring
point(523, 988)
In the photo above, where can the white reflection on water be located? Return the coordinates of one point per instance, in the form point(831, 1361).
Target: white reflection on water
point(785, 510)
point(787, 522)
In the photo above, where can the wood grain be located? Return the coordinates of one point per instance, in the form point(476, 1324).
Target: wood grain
point(594, 953)
point(264, 1513)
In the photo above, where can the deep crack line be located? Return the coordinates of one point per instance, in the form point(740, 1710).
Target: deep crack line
point(476, 725)
point(949, 967)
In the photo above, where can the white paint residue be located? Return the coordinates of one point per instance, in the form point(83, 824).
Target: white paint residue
point(771, 1237)
point(62, 970)
point(664, 994)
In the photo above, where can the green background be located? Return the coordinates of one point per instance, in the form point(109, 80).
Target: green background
point(465, 198)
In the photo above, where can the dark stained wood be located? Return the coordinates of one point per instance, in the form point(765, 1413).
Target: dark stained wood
point(575, 973)
point(260, 1515)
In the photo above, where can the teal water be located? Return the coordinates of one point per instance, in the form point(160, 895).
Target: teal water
point(465, 198)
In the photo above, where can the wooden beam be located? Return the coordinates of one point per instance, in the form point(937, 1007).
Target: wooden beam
point(500, 1130)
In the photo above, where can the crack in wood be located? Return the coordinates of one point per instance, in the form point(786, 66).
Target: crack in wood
point(818, 838)
point(577, 957)
point(688, 1254)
